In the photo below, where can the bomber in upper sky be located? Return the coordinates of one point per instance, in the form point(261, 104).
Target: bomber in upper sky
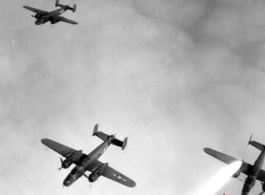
point(53, 16)
point(253, 172)
point(89, 162)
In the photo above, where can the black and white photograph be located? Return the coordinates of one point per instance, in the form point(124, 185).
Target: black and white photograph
point(130, 97)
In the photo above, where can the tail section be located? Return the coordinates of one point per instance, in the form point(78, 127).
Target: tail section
point(100, 134)
point(95, 130)
point(119, 143)
point(250, 139)
point(74, 8)
point(57, 3)
point(68, 7)
point(124, 143)
point(256, 144)
point(113, 140)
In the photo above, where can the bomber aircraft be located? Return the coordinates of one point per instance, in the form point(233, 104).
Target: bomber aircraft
point(53, 16)
point(253, 172)
point(90, 162)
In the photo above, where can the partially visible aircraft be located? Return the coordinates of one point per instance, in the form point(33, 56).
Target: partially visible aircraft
point(53, 16)
point(253, 172)
point(89, 162)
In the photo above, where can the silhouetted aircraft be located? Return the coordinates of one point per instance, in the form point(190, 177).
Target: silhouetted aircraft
point(89, 162)
point(54, 16)
point(253, 172)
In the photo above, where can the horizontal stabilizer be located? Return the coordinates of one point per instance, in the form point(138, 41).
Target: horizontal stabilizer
point(100, 134)
point(220, 156)
point(119, 143)
point(257, 145)
point(105, 137)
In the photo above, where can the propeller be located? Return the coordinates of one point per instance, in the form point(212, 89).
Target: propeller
point(61, 163)
point(90, 185)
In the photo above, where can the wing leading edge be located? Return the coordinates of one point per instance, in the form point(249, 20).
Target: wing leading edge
point(65, 151)
point(38, 11)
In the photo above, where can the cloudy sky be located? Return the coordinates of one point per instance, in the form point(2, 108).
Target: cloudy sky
point(174, 76)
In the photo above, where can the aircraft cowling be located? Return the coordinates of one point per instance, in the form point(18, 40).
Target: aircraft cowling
point(93, 177)
point(54, 21)
point(37, 16)
point(66, 163)
point(72, 158)
point(38, 22)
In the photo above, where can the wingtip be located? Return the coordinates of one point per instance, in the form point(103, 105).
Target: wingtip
point(133, 184)
point(44, 140)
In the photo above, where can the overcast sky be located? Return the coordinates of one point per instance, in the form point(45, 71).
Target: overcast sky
point(174, 76)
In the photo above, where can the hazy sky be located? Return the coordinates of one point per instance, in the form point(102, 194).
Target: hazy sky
point(174, 76)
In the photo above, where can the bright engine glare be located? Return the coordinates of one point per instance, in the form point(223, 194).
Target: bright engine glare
point(219, 179)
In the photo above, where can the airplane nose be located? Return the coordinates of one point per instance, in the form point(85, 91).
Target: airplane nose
point(66, 183)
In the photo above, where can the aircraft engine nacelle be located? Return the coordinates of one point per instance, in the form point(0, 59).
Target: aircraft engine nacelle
point(37, 16)
point(66, 163)
point(236, 174)
point(54, 21)
point(93, 177)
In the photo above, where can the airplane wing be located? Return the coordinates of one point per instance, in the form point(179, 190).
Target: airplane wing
point(112, 174)
point(65, 151)
point(66, 20)
point(245, 167)
point(35, 10)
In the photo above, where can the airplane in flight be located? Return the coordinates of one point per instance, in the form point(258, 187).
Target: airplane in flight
point(253, 172)
point(53, 16)
point(90, 162)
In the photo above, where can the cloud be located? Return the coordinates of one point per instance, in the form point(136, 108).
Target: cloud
point(173, 76)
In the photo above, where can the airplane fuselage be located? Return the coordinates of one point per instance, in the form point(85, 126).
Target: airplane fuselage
point(48, 17)
point(82, 166)
point(251, 179)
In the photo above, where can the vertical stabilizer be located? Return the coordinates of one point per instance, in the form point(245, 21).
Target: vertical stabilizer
point(250, 139)
point(95, 130)
point(124, 143)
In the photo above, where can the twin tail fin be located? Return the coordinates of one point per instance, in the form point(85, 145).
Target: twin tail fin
point(105, 137)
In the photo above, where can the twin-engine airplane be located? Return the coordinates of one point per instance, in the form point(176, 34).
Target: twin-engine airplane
point(89, 162)
point(54, 16)
point(253, 172)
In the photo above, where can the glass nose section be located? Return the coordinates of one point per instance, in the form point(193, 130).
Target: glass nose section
point(68, 180)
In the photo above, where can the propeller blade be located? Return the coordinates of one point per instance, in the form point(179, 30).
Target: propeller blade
point(61, 163)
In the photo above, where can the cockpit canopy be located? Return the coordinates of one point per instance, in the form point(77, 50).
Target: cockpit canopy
point(75, 171)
